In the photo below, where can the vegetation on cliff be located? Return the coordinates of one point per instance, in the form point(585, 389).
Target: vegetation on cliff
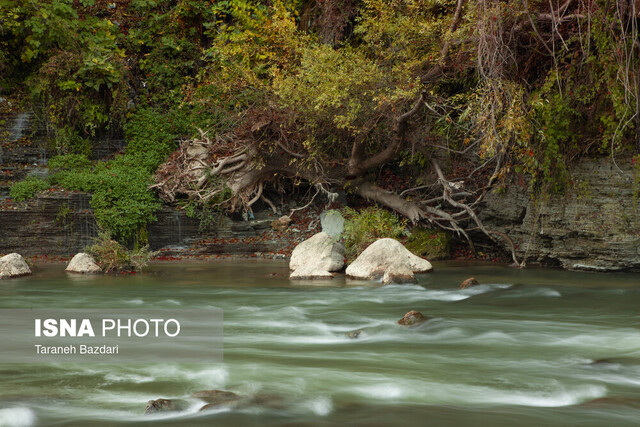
point(450, 94)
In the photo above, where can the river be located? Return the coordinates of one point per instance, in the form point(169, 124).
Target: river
point(519, 349)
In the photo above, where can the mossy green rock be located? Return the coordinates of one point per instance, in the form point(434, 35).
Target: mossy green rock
point(432, 244)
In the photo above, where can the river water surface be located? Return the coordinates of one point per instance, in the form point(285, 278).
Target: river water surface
point(519, 349)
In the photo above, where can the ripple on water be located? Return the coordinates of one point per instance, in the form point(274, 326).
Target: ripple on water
point(456, 394)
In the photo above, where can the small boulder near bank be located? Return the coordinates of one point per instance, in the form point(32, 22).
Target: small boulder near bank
point(83, 263)
point(382, 254)
point(320, 254)
point(13, 265)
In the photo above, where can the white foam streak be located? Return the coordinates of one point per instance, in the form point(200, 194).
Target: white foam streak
point(17, 417)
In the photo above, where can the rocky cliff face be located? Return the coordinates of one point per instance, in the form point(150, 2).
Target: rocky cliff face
point(62, 224)
point(595, 225)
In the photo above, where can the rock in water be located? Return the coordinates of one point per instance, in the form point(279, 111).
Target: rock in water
point(398, 273)
point(83, 263)
point(281, 223)
point(471, 281)
point(160, 405)
point(316, 257)
point(332, 223)
point(215, 398)
point(413, 317)
point(354, 334)
point(374, 261)
point(13, 265)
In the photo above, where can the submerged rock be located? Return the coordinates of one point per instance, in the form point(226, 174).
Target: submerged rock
point(13, 265)
point(316, 257)
point(216, 398)
point(374, 261)
point(613, 402)
point(83, 263)
point(471, 281)
point(412, 317)
point(161, 405)
point(354, 334)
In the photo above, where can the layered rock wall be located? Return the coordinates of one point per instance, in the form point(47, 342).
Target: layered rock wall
point(594, 225)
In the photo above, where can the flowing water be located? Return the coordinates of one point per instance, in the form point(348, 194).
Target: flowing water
point(517, 349)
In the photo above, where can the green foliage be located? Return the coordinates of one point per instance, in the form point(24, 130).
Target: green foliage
point(432, 244)
point(113, 257)
point(151, 136)
point(206, 215)
point(28, 188)
point(361, 228)
point(121, 201)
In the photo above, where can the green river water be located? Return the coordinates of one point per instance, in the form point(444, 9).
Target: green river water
point(516, 350)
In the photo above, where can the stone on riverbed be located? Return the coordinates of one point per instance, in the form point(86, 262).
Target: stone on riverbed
point(316, 257)
point(215, 398)
point(13, 265)
point(83, 263)
point(163, 405)
point(412, 317)
point(471, 281)
point(353, 334)
point(374, 261)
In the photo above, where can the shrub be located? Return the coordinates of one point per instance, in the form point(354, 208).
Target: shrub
point(27, 189)
point(432, 244)
point(368, 225)
point(113, 257)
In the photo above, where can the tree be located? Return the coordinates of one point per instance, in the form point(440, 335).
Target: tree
point(424, 80)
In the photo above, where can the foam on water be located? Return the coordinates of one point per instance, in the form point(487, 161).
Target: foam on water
point(113, 377)
point(456, 394)
point(321, 406)
point(17, 417)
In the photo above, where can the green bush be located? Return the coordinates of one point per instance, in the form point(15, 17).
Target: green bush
point(113, 257)
point(121, 201)
point(368, 225)
point(27, 189)
point(432, 244)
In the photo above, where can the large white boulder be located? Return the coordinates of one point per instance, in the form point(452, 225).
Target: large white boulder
point(387, 255)
point(83, 263)
point(320, 253)
point(13, 265)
